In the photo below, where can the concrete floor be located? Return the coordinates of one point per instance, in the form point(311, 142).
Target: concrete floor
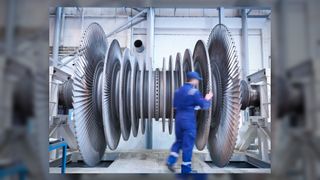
point(152, 161)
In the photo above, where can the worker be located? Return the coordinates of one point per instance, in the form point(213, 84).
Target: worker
point(186, 99)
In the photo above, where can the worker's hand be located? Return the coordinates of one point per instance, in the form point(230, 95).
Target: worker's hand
point(208, 96)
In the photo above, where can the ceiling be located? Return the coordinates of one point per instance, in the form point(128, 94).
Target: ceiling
point(164, 3)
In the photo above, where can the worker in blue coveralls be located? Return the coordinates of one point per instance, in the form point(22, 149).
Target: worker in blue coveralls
point(186, 99)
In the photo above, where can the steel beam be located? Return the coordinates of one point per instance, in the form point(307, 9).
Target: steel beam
point(82, 20)
point(149, 57)
point(249, 11)
point(127, 26)
point(57, 31)
point(128, 23)
point(221, 15)
point(244, 47)
point(69, 59)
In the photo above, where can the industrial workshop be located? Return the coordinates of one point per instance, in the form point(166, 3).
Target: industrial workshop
point(160, 89)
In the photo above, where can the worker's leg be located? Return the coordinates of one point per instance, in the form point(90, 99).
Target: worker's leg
point(189, 135)
point(177, 145)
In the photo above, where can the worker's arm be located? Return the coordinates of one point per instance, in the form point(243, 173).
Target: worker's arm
point(200, 101)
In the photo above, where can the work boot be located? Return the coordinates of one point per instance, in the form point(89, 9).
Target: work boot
point(171, 161)
point(186, 169)
point(170, 167)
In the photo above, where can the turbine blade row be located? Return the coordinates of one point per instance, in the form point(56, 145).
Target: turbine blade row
point(114, 94)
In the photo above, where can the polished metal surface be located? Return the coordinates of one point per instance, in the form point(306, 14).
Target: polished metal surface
point(134, 96)
point(164, 94)
point(110, 99)
point(143, 98)
point(179, 70)
point(187, 63)
point(172, 88)
point(151, 92)
point(226, 113)
point(88, 121)
point(157, 94)
point(202, 66)
point(249, 95)
point(124, 94)
point(65, 94)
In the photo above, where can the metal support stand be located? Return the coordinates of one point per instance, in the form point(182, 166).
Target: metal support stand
point(62, 126)
point(62, 145)
point(257, 126)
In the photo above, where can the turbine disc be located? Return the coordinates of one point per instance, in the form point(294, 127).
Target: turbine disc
point(124, 95)
point(179, 70)
point(134, 96)
point(157, 94)
point(226, 114)
point(202, 66)
point(164, 93)
point(143, 97)
point(111, 79)
point(87, 79)
point(151, 91)
point(187, 63)
point(171, 92)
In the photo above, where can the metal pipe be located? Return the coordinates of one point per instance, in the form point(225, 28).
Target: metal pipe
point(139, 47)
point(126, 23)
point(244, 38)
point(82, 20)
point(136, 9)
point(221, 15)
point(149, 57)
point(61, 36)
point(258, 16)
point(61, 63)
point(244, 52)
point(56, 42)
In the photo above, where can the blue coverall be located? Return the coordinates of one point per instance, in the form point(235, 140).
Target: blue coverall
point(186, 99)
